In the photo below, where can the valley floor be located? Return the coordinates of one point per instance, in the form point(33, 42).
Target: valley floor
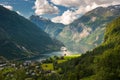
point(33, 70)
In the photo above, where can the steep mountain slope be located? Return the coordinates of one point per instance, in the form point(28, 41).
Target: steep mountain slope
point(87, 32)
point(53, 29)
point(21, 38)
point(102, 63)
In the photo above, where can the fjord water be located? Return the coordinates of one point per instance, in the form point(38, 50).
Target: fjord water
point(47, 55)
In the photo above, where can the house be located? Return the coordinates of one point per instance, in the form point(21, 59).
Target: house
point(2, 65)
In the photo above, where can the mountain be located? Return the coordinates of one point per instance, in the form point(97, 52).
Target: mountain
point(87, 32)
point(102, 63)
point(21, 38)
point(53, 29)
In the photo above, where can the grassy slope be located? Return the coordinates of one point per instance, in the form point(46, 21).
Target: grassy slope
point(47, 66)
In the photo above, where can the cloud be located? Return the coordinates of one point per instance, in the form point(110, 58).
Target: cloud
point(69, 16)
point(44, 7)
point(84, 9)
point(7, 6)
point(81, 7)
point(101, 2)
point(68, 3)
point(78, 3)
point(66, 18)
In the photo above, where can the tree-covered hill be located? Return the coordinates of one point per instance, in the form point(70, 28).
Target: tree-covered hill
point(21, 38)
point(102, 63)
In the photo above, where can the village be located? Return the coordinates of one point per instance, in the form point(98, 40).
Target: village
point(34, 68)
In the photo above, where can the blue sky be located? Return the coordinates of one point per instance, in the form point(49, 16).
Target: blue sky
point(59, 11)
point(25, 7)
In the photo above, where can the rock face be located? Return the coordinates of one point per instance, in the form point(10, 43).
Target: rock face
point(21, 38)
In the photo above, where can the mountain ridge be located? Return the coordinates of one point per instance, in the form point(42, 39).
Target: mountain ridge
point(53, 29)
point(21, 38)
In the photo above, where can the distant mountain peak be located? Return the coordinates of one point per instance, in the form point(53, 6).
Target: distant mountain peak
point(40, 18)
point(53, 29)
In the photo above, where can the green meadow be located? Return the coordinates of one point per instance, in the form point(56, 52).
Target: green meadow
point(50, 65)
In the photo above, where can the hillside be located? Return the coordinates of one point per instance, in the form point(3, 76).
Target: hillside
point(87, 32)
point(100, 64)
point(21, 38)
point(53, 29)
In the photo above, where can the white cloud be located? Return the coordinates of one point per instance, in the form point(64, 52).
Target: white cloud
point(110, 2)
point(84, 9)
point(66, 18)
point(44, 7)
point(82, 6)
point(78, 3)
point(7, 6)
point(69, 16)
point(68, 3)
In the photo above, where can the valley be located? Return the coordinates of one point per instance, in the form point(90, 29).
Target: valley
point(83, 34)
point(56, 40)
